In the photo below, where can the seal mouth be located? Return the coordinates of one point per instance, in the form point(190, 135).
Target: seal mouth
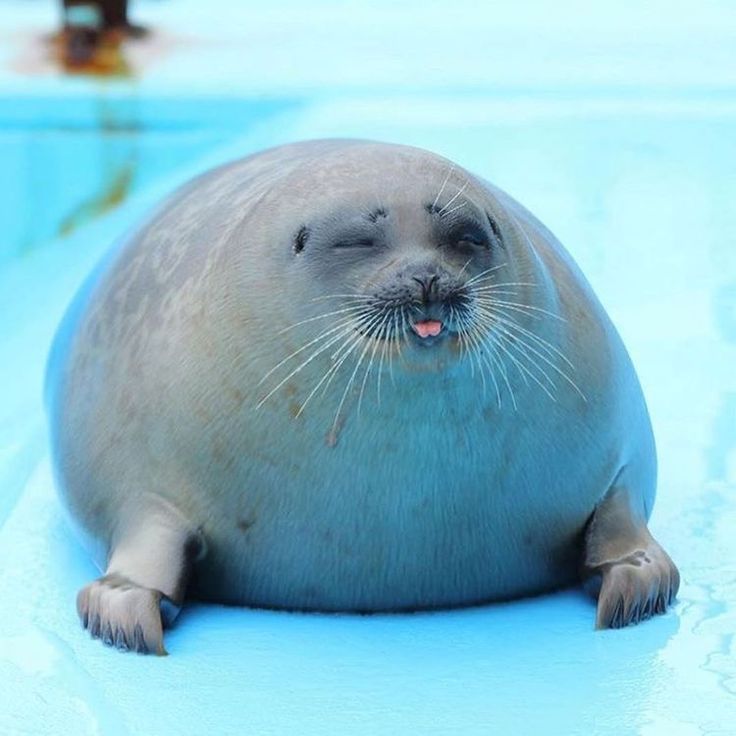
point(424, 332)
point(428, 331)
point(427, 328)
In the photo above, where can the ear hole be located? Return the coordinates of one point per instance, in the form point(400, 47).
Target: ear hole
point(300, 239)
point(496, 229)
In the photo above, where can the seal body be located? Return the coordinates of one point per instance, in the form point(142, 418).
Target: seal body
point(348, 376)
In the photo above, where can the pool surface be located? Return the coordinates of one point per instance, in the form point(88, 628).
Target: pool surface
point(628, 154)
point(70, 160)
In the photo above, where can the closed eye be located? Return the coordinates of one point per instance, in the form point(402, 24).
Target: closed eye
point(465, 233)
point(469, 237)
point(356, 243)
point(472, 239)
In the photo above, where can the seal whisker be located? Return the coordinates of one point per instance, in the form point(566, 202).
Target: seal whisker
point(502, 345)
point(384, 347)
point(340, 336)
point(492, 373)
point(343, 328)
point(547, 346)
point(488, 322)
point(523, 351)
point(493, 352)
point(384, 340)
point(493, 361)
point(392, 337)
point(355, 297)
point(496, 292)
point(454, 209)
point(520, 307)
point(335, 328)
point(500, 322)
point(461, 322)
point(404, 326)
point(444, 184)
point(480, 358)
point(348, 344)
point(500, 315)
point(475, 353)
point(496, 305)
point(354, 309)
point(481, 361)
point(360, 329)
point(366, 347)
point(399, 332)
point(532, 248)
point(484, 274)
point(376, 341)
point(353, 374)
point(453, 198)
point(502, 350)
point(499, 285)
point(524, 340)
point(465, 265)
point(328, 374)
point(521, 343)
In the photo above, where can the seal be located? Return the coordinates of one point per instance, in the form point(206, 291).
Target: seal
point(349, 376)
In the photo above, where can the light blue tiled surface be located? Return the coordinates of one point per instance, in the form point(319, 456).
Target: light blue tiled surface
point(637, 181)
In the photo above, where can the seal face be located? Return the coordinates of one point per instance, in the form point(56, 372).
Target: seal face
point(349, 376)
point(420, 277)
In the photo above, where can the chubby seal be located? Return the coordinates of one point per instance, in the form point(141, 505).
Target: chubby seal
point(349, 376)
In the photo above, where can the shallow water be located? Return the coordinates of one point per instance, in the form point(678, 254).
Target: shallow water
point(639, 187)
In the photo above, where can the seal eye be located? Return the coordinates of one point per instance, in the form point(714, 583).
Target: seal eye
point(477, 241)
point(466, 234)
point(469, 237)
point(355, 243)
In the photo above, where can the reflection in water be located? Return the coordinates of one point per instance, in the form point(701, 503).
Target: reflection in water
point(110, 196)
point(92, 44)
point(92, 37)
point(105, 59)
point(82, 172)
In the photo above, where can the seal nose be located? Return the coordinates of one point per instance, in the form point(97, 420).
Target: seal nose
point(428, 286)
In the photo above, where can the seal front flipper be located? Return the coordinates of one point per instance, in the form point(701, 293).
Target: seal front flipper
point(624, 566)
point(143, 588)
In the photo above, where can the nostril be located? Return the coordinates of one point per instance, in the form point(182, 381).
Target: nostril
point(422, 286)
point(426, 285)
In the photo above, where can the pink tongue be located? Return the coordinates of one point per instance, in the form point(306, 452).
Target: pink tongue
point(429, 327)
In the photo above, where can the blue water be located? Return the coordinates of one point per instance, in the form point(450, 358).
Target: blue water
point(69, 160)
point(640, 188)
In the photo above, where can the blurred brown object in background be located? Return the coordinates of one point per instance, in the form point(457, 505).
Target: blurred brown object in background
point(92, 33)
